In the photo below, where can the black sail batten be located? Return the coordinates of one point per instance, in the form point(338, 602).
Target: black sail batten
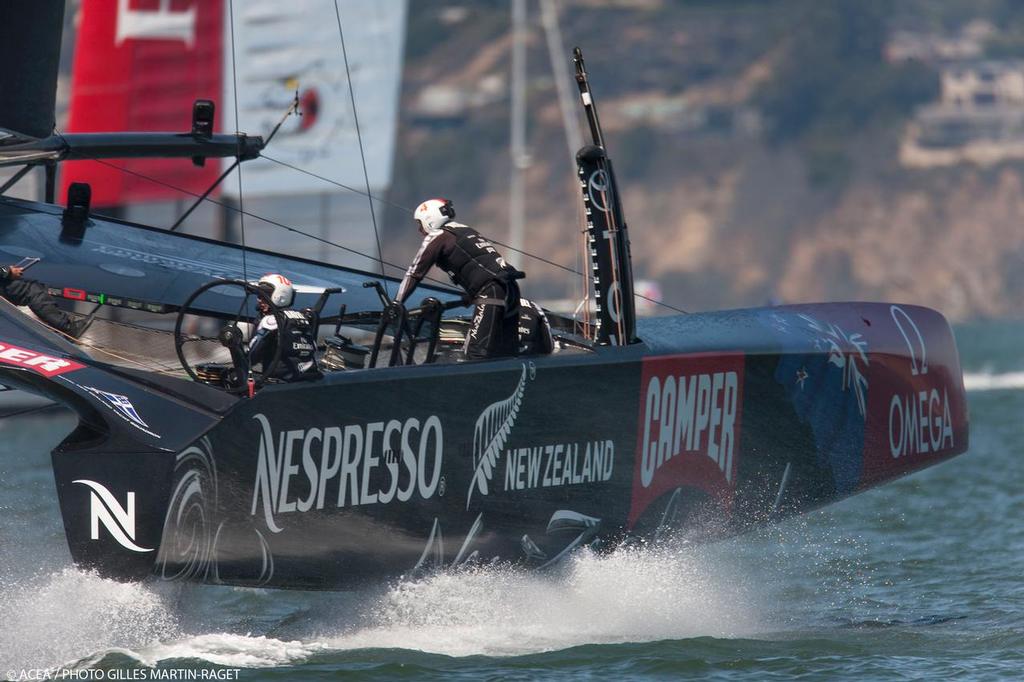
point(30, 37)
point(607, 236)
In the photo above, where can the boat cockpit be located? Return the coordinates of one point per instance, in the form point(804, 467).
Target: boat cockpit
point(212, 348)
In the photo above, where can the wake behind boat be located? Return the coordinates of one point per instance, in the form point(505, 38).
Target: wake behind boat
point(189, 464)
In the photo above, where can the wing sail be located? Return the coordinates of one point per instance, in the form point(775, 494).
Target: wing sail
point(30, 36)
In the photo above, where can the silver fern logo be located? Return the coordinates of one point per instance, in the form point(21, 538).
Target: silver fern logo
point(491, 432)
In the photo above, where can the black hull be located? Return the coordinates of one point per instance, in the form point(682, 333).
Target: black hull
point(719, 422)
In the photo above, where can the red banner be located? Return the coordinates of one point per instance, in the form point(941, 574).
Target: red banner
point(47, 365)
point(689, 427)
point(139, 65)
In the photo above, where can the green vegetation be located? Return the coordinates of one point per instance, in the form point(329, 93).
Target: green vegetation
point(833, 82)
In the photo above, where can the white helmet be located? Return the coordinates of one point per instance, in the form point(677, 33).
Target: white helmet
point(280, 288)
point(433, 214)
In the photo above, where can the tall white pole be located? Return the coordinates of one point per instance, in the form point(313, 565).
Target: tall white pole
point(559, 59)
point(519, 155)
point(560, 70)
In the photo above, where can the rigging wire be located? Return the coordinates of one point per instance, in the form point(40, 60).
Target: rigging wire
point(256, 216)
point(401, 268)
point(356, 252)
point(292, 108)
point(367, 193)
point(228, 206)
point(202, 197)
point(409, 210)
point(234, 91)
point(335, 182)
point(359, 138)
point(554, 264)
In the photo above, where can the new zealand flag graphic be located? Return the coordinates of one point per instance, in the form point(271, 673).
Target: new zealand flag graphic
point(828, 389)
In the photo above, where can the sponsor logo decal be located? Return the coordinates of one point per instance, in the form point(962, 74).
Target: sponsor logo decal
point(919, 420)
point(533, 466)
point(122, 407)
point(346, 466)
point(47, 365)
point(689, 426)
point(597, 189)
point(199, 267)
point(119, 521)
point(693, 413)
point(161, 23)
point(119, 404)
point(917, 412)
point(550, 466)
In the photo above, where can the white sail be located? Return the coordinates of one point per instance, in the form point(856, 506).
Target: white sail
point(281, 46)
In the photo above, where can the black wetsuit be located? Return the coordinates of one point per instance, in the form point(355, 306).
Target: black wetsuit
point(474, 264)
point(298, 357)
point(29, 292)
point(534, 330)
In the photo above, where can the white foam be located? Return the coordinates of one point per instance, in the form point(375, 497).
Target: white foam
point(69, 615)
point(234, 651)
point(988, 381)
point(631, 595)
point(73, 617)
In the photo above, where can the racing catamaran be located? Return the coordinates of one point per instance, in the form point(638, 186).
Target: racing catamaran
point(188, 464)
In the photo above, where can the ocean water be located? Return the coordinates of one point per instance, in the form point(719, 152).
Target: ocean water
point(919, 579)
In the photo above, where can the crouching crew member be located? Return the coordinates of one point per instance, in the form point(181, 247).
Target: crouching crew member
point(473, 264)
point(534, 330)
point(298, 356)
point(29, 292)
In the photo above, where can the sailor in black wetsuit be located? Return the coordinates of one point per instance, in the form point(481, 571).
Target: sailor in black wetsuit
point(298, 357)
point(473, 264)
point(534, 330)
point(33, 294)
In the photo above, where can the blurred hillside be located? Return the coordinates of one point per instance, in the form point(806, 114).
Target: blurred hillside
point(772, 149)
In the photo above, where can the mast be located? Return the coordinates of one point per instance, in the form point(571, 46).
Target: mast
point(606, 229)
point(553, 33)
point(30, 36)
point(573, 138)
point(519, 156)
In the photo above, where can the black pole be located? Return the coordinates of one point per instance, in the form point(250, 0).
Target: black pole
point(14, 180)
point(607, 235)
point(201, 199)
point(51, 181)
point(588, 101)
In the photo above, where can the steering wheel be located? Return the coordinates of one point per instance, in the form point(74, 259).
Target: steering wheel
point(231, 337)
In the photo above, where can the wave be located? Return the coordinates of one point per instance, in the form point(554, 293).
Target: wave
point(230, 650)
point(632, 595)
point(629, 596)
point(989, 381)
point(61, 617)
